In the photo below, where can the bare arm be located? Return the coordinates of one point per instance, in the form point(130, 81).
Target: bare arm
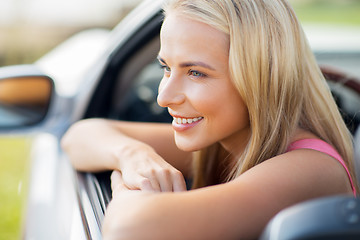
point(235, 210)
point(97, 145)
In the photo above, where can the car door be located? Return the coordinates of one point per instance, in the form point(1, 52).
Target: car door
point(126, 90)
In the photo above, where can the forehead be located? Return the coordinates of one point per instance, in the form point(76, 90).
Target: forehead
point(179, 31)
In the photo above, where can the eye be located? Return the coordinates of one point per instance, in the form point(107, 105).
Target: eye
point(196, 74)
point(165, 67)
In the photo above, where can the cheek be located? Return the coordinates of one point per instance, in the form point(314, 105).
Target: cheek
point(237, 108)
point(229, 110)
point(205, 99)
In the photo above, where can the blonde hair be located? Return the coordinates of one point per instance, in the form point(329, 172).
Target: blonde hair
point(277, 76)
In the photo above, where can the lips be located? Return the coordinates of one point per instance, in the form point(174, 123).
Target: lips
point(181, 124)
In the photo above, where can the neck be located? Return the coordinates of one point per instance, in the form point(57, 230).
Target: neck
point(236, 145)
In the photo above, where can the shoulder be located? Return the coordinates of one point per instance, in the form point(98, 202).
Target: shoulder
point(308, 172)
point(248, 202)
point(295, 176)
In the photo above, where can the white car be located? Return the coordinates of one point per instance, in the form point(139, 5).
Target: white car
point(114, 75)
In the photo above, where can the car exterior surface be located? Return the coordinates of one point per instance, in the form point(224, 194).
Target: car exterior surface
point(113, 75)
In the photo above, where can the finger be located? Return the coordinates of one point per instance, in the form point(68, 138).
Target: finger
point(165, 180)
point(117, 183)
point(132, 180)
point(150, 178)
point(139, 182)
point(179, 183)
point(116, 178)
point(146, 185)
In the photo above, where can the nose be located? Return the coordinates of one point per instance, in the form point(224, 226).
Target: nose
point(170, 92)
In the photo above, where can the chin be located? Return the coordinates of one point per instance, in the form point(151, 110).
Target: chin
point(187, 145)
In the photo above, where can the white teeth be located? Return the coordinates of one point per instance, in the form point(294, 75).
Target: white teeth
point(186, 120)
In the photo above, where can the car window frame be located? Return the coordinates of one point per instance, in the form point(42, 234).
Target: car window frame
point(94, 191)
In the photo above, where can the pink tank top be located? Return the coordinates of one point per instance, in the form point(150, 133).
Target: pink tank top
point(321, 146)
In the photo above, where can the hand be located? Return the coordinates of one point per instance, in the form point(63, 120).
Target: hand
point(119, 188)
point(117, 183)
point(124, 201)
point(143, 169)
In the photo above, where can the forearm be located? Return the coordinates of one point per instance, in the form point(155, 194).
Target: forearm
point(138, 215)
point(95, 145)
point(224, 211)
point(186, 215)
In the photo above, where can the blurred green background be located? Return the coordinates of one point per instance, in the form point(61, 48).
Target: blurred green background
point(333, 12)
point(23, 41)
point(14, 170)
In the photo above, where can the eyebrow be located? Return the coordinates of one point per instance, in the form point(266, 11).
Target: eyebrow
point(190, 64)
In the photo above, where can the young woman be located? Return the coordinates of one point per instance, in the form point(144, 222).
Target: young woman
point(255, 127)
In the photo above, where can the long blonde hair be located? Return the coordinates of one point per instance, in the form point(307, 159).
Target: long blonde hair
point(277, 76)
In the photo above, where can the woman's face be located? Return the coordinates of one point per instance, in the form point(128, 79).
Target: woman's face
point(196, 87)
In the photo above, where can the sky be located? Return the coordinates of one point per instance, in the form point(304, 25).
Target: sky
point(54, 12)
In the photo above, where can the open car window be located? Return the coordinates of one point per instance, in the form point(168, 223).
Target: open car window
point(135, 92)
point(133, 99)
point(126, 91)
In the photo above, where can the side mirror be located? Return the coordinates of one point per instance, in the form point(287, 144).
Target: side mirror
point(25, 97)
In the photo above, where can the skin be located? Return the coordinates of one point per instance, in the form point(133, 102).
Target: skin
point(129, 147)
point(197, 84)
point(235, 210)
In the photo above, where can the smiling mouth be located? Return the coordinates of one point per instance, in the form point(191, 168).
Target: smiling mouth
point(186, 120)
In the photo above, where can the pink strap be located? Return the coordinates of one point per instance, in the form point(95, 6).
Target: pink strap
point(324, 147)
